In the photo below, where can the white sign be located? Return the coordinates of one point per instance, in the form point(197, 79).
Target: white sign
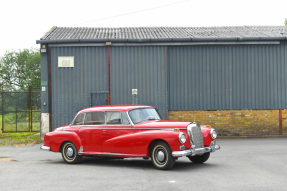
point(66, 61)
point(134, 91)
point(43, 88)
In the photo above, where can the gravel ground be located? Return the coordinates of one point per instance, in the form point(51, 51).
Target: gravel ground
point(241, 164)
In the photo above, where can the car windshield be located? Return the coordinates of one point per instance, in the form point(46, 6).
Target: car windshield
point(143, 114)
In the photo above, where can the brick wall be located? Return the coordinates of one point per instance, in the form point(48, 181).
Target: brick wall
point(236, 122)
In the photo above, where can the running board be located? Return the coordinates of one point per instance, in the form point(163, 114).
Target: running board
point(111, 154)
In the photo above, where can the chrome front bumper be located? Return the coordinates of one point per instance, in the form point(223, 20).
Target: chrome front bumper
point(193, 152)
point(45, 148)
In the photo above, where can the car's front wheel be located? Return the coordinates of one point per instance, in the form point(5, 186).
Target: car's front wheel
point(199, 158)
point(70, 153)
point(161, 156)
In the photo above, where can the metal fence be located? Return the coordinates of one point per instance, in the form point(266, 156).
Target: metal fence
point(20, 111)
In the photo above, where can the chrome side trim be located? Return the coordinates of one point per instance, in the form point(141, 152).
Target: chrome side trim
point(172, 129)
point(118, 128)
point(45, 148)
point(161, 129)
point(111, 154)
point(107, 128)
point(193, 152)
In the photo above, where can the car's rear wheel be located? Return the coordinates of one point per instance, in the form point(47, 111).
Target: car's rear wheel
point(161, 156)
point(199, 158)
point(70, 153)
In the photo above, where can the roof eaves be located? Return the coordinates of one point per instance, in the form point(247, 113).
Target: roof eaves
point(48, 33)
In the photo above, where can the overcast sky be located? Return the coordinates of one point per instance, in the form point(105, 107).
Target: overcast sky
point(24, 22)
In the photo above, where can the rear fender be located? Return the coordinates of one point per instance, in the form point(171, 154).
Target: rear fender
point(55, 139)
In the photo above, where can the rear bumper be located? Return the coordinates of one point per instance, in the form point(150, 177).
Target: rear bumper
point(192, 152)
point(45, 148)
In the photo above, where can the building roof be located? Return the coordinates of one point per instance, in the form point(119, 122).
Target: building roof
point(61, 33)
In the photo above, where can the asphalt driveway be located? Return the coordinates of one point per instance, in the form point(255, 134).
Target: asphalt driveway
point(241, 164)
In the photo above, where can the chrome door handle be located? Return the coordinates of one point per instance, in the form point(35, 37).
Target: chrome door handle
point(104, 130)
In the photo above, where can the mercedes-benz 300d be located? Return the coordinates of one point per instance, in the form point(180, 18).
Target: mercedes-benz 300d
point(129, 131)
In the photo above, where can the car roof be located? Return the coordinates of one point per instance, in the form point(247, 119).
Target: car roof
point(113, 108)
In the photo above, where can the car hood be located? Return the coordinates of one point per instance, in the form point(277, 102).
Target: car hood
point(162, 124)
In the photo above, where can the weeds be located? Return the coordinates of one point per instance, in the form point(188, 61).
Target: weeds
point(19, 139)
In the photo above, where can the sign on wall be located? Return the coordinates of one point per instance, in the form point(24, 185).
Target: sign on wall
point(66, 61)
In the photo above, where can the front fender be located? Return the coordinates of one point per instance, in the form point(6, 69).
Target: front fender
point(55, 139)
point(207, 139)
point(143, 139)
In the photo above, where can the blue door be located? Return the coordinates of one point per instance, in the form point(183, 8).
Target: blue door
point(99, 98)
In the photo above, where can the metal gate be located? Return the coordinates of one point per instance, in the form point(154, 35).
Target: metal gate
point(99, 98)
point(21, 111)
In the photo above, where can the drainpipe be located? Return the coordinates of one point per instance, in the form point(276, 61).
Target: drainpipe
point(280, 122)
point(109, 76)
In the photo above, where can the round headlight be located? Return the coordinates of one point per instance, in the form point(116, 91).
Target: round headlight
point(213, 133)
point(182, 138)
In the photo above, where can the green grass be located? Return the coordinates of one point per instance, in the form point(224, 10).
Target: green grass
point(19, 139)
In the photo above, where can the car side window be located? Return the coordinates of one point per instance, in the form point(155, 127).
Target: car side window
point(114, 118)
point(79, 119)
point(94, 118)
point(125, 119)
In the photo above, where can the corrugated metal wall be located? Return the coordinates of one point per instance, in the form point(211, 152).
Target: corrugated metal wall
point(71, 87)
point(141, 68)
point(227, 77)
point(217, 77)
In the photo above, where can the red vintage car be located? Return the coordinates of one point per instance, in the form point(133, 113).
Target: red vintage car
point(131, 131)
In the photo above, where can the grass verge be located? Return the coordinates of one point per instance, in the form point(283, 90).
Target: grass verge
point(19, 139)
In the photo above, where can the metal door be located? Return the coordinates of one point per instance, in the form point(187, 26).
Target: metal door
point(99, 98)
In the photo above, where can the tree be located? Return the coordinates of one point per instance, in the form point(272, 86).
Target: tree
point(21, 68)
point(285, 22)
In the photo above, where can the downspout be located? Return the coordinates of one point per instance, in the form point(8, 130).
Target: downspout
point(109, 76)
point(280, 122)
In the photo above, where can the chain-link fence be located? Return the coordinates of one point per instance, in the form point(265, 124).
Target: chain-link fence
point(20, 111)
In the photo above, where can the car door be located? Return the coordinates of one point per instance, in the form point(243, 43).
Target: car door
point(91, 131)
point(118, 133)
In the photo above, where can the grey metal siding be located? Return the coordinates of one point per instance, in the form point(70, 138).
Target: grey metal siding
point(44, 78)
point(141, 68)
point(71, 87)
point(227, 77)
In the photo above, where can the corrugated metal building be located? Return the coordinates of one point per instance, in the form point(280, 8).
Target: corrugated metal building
point(172, 68)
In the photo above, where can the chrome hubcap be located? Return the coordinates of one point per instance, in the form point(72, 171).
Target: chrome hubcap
point(70, 152)
point(160, 156)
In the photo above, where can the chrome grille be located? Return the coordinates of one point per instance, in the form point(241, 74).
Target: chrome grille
point(195, 135)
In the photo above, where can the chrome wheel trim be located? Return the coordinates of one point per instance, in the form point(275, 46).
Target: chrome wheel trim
point(70, 152)
point(160, 156)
